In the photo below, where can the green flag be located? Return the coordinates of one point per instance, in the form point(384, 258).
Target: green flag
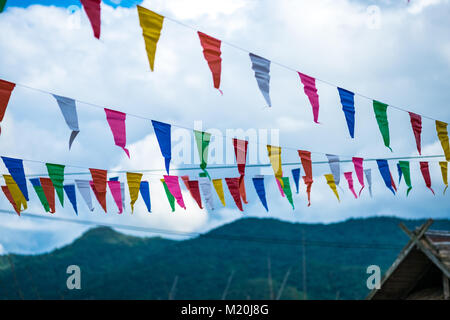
point(42, 198)
point(2, 5)
point(202, 139)
point(381, 116)
point(56, 174)
point(170, 197)
point(404, 166)
point(287, 191)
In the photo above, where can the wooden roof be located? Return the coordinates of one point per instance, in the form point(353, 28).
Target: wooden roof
point(426, 251)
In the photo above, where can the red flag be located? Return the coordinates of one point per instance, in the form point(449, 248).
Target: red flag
point(233, 186)
point(99, 181)
point(416, 123)
point(5, 93)
point(8, 195)
point(185, 181)
point(305, 157)
point(195, 192)
point(92, 8)
point(240, 151)
point(49, 192)
point(211, 52)
point(392, 182)
point(426, 174)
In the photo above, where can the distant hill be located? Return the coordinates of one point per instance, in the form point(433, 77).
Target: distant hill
point(117, 266)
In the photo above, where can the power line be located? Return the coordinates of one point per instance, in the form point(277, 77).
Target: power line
point(294, 242)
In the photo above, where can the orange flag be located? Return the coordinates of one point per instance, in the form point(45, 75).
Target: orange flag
point(99, 180)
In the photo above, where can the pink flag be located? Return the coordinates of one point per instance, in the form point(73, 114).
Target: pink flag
point(116, 121)
point(92, 8)
point(416, 124)
point(426, 174)
point(114, 187)
point(174, 188)
point(348, 176)
point(309, 84)
point(280, 187)
point(358, 164)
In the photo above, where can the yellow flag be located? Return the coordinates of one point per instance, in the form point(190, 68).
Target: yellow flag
point(219, 189)
point(275, 160)
point(16, 194)
point(134, 183)
point(441, 128)
point(332, 184)
point(444, 171)
point(151, 24)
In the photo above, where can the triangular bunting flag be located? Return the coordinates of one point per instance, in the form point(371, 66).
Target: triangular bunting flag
point(348, 106)
point(348, 176)
point(400, 174)
point(240, 151)
point(309, 86)
point(404, 167)
point(416, 124)
point(15, 192)
point(383, 124)
point(205, 188)
point(145, 194)
point(5, 93)
point(218, 186)
point(296, 177)
point(71, 194)
point(332, 184)
point(116, 121)
point(335, 167)
point(258, 182)
point(99, 185)
point(233, 186)
point(49, 191)
point(92, 8)
point(114, 187)
point(40, 193)
point(15, 169)
point(358, 164)
point(368, 174)
point(185, 181)
point(174, 188)
point(151, 24)
point(85, 190)
point(441, 129)
point(134, 183)
point(194, 189)
point(287, 191)
point(275, 160)
point(444, 171)
point(56, 174)
point(261, 67)
point(202, 139)
point(426, 174)
point(211, 52)
point(280, 187)
point(10, 198)
point(163, 135)
point(305, 157)
point(383, 166)
point(69, 111)
point(170, 197)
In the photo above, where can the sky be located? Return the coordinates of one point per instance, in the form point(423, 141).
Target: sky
point(392, 51)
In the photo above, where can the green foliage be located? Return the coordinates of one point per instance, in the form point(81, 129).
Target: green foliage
point(118, 266)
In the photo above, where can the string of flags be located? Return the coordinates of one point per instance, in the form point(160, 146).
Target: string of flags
point(45, 187)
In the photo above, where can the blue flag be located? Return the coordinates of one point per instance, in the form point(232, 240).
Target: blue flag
point(296, 176)
point(258, 182)
point(15, 168)
point(70, 192)
point(145, 193)
point(114, 179)
point(400, 173)
point(261, 66)
point(348, 106)
point(383, 166)
point(162, 131)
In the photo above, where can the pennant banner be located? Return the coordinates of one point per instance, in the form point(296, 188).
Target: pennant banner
point(416, 124)
point(151, 24)
point(368, 174)
point(69, 111)
point(116, 121)
point(280, 187)
point(296, 177)
point(40, 193)
point(134, 183)
point(426, 174)
point(305, 157)
point(202, 139)
point(145, 194)
point(358, 164)
point(233, 186)
point(258, 182)
point(10, 198)
point(261, 67)
point(348, 106)
point(56, 174)
point(309, 86)
point(6, 89)
point(218, 186)
point(185, 181)
point(335, 167)
point(211, 52)
point(170, 197)
point(405, 170)
point(275, 161)
point(16, 193)
point(163, 135)
point(400, 174)
point(49, 191)
point(383, 166)
point(348, 176)
point(332, 184)
point(92, 8)
point(99, 185)
point(71, 194)
point(240, 151)
point(380, 110)
point(15, 169)
point(444, 171)
point(287, 191)
point(205, 188)
point(114, 187)
point(85, 190)
point(174, 188)
point(194, 189)
point(441, 129)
